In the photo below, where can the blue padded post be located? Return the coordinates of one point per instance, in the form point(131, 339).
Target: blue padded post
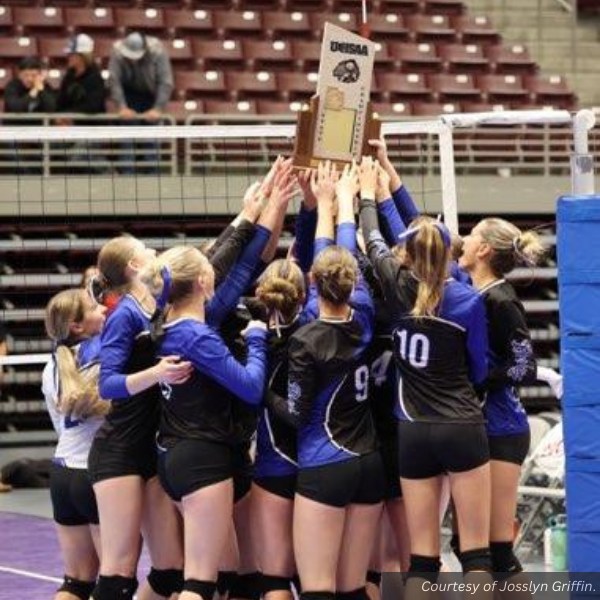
point(578, 249)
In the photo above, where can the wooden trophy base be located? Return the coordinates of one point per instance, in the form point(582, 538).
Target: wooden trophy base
point(304, 155)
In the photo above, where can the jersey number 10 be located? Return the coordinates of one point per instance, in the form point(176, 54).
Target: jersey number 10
point(413, 348)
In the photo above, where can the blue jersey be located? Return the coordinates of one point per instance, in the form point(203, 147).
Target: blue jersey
point(192, 409)
point(127, 348)
point(511, 360)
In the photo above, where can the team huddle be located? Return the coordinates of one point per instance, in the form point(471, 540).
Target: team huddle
point(261, 424)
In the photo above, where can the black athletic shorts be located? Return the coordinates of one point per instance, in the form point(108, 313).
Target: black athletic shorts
point(108, 460)
point(510, 448)
point(430, 449)
point(191, 464)
point(389, 457)
point(358, 480)
point(73, 499)
point(243, 471)
point(283, 486)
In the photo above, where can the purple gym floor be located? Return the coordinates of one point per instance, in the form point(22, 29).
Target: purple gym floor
point(30, 561)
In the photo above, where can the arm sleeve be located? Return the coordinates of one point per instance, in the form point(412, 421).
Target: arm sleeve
point(391, 218)
point(279, 405)
point(239, 278)
point(165, 81)
point(224, 257)
point(385, 265)
point(306, 227)
point(321, 244)
point(14, 101)
point(223, 237)
point(346, 236)
point(301, 381)
point(405, 204)
point(477, 343)
point(116, 87)
point(118, 338)
point(511, 337)
point(210, 355)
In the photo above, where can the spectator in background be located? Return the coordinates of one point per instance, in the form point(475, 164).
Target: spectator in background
point(141, 79)
point(28, 92)
point(82, 89)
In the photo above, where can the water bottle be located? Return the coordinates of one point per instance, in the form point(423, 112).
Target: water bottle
point(559, 543)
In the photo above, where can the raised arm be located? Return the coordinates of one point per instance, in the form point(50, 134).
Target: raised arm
point(346, 189)
point(306, 223)
point(323, 186)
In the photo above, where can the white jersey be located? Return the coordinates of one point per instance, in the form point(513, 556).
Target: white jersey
point(75, 436)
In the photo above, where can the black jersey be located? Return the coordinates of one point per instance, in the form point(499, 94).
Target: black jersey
point(440, 358)
point(127, 348)
point(511, 360)
point(328, 386)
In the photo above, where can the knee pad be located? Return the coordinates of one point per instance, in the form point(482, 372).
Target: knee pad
point(358, 594)
point(225, 581)
point(504, 561)
point(76, 587)
point(424, 567)
point(115, 587)
point(317, 596)
point(374, 577)
point(204, 589)
point(246, 586)
point(273, 583)
point(166, 582)
point(478, 559)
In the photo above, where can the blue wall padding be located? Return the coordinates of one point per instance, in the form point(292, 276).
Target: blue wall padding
point(582, 550)
point(582, 384)
point(578, 249)
point(581, 426)
point(583, 499)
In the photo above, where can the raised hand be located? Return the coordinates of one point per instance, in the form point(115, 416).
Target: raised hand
point(383, 184)
point(323, 183)
point(310, 200)
point(368, 177)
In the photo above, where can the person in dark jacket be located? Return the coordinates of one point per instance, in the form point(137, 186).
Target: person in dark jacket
point(82, 89)
point(28, 92)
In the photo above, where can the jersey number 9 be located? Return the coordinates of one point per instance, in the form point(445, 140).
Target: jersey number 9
point(413, 348)
point(361, 382)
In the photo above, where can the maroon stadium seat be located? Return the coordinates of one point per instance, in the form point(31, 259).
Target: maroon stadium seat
point(484, 107)
point(219, 107)
point(475, 30)
point(345, 20)
point(416, 57)
point(268, 55)
point(38, 19)
point(246, 23)
point(258, 4)
point(198, 84)
point(6, 18)
point(511, 59)
point(434, 109)
point(446, 7)
point(462, 59)
point(276, 107)
point(243, 85)
point(149, 20)
point(182, 109)
point(53, 49)
point(90, 20)
point(383, 58)
point(397, 110)
point(502, 88)
point(388, 27)
point(307, 54)
point(189, 21)
point(285, 25)
point(404, 6)
point(103, 47)
point(16, 48)
point(550, 90)
point(218, 53)
point(296, 86)
point(309, 5)
point(430, 28)
point(449, 88)
point(210, 4)
point(399, 87)
point(180, 51)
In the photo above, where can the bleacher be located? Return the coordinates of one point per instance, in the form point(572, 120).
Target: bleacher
point(261, 56)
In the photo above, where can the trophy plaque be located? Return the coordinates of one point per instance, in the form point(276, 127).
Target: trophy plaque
point(339, 122)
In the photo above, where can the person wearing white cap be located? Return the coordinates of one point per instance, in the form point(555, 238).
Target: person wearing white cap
point(82, 89)
point(141, 79)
